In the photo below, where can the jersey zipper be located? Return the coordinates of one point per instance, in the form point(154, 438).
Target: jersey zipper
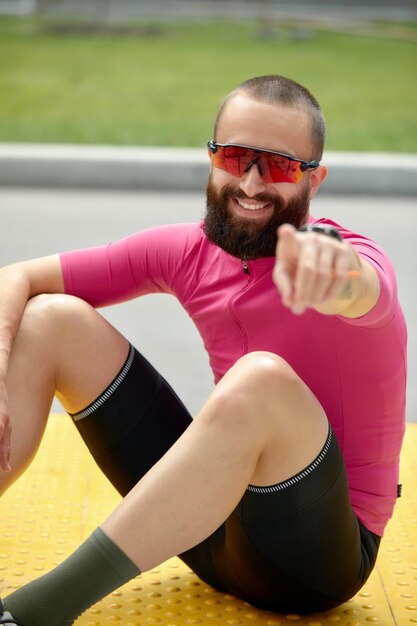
point(232, 306)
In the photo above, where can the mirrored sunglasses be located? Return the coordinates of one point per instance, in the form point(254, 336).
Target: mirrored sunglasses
point(274, 167)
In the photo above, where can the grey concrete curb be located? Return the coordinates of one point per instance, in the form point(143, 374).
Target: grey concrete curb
point(184, 169)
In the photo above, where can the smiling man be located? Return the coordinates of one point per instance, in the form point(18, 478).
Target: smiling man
point(281, 486)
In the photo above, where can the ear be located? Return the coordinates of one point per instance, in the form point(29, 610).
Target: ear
point(316, 178)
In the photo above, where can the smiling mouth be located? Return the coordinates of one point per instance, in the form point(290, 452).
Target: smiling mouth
point(252, 206)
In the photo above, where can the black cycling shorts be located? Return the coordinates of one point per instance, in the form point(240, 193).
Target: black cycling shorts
point(296, 546)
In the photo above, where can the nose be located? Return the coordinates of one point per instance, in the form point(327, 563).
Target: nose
point(251, 181)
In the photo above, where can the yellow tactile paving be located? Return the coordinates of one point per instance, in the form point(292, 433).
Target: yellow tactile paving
point(63, 497)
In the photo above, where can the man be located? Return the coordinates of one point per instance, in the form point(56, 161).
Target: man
point(280, 487)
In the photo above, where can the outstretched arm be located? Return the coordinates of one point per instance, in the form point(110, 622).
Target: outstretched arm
point(320, 272)
point(18, 283)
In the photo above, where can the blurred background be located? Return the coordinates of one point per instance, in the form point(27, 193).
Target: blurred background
point(137, 72)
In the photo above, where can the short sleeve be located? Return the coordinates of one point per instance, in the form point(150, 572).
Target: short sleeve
point(145, 262)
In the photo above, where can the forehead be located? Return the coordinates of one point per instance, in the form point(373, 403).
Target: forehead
point(266, 125)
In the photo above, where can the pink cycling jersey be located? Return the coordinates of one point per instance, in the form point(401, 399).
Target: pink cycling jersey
point(355, 367)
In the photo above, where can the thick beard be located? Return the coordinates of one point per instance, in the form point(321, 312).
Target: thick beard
point(245, 238)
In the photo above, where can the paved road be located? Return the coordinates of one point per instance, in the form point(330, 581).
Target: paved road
point(37, 222)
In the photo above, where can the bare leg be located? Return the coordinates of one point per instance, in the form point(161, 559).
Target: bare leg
point(61, 340)
point(261, 425)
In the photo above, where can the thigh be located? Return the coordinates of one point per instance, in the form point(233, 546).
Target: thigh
point(132, 423)
point(296, 546)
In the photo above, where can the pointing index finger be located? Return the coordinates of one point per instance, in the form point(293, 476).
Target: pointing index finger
point(286, 253)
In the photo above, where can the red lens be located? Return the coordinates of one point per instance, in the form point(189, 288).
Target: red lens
point(280, 169)
point(233, 159)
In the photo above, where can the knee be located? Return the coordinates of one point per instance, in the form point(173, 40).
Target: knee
point(263, 373)
point(49, 313)
point(263, 396)
point(256, 385)
point(51, 305)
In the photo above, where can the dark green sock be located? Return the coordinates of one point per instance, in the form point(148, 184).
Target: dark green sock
point(94, 570)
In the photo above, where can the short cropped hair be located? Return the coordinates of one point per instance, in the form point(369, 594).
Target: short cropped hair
point(277, 89)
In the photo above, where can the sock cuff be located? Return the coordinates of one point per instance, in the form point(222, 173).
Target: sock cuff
point(114, 555)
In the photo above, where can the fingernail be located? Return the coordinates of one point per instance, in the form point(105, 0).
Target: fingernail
point(298, 310)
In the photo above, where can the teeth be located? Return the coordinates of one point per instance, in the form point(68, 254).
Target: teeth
point(251, 207)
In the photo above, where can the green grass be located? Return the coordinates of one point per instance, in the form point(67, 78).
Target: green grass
point(164, 89)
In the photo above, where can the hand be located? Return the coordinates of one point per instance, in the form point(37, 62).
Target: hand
point(5, 430)
point(311, 269)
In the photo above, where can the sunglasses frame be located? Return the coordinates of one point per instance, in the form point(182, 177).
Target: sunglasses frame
point(304, 165)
